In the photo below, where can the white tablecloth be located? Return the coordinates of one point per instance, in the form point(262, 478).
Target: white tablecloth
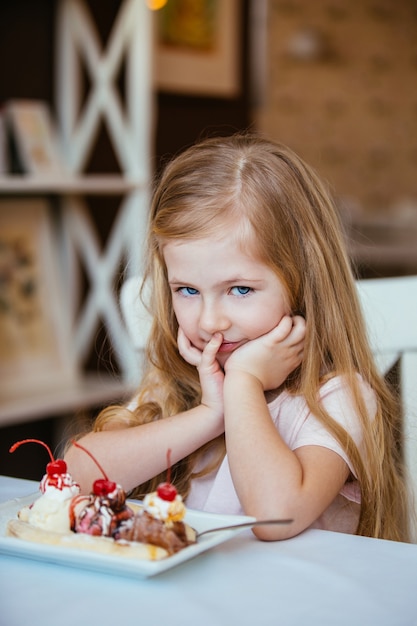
point(318, 578)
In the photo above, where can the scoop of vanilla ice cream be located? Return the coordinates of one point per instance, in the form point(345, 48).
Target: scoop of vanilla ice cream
point(165, 510)
point(51, 510)
point(50, 514)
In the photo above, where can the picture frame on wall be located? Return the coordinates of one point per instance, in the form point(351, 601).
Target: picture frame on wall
point(4, 165)
point(196, 50)
point(33, 136)
point(35, 350)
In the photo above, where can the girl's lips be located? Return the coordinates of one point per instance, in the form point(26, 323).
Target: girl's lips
point(228, 346)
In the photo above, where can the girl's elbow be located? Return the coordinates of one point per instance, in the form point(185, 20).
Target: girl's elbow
point(275, 532)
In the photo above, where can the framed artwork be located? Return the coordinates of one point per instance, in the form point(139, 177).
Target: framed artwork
point(4, 165)
point(31, 127)
point(197, 47)
point(35, 350)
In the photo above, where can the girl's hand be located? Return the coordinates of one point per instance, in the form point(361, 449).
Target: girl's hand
point(273, 356)
point(209, 370)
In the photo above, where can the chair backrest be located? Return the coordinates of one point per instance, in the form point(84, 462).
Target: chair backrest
point(390, 309)
point(138, 323)
point(136, 317)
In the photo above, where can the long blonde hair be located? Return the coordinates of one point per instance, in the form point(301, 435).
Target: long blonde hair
point(256, 186)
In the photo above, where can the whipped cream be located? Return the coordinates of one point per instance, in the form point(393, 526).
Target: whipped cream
point(59, 486)
point(165, 510)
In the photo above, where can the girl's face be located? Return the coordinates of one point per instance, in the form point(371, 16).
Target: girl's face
point(216, 287)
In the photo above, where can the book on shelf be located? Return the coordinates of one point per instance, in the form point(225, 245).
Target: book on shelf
point(31, 138)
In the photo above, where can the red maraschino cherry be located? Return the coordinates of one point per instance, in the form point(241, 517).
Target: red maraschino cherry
point(55, 467)
point(101, 486)
point(166, 491)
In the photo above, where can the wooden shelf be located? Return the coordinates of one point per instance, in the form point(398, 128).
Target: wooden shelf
point(384, 241)
point(97, 184)
point(384, 255)
point(88, 392)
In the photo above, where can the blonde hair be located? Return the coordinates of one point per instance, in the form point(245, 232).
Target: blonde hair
point(274, 201)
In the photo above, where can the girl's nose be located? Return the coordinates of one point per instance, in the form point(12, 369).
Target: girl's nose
point(213, 319)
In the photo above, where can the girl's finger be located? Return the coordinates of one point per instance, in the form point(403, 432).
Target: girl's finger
point(283, 329)
point(298, 330)
point(212, 347)
point(188, 352)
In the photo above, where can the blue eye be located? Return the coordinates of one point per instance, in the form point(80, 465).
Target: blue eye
point(241, 291)
point(187, 291)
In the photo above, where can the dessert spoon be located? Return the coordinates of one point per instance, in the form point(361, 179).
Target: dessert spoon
point(263, 522)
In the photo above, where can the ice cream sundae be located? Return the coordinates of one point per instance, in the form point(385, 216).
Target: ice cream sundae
point(102, 521)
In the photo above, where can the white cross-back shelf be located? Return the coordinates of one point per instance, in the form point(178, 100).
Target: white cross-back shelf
point(129, 127)
point(128, 121)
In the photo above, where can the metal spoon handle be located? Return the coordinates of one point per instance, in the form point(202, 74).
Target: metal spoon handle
point(264, 522)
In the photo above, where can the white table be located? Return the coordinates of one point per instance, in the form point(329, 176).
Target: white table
point(318, 578)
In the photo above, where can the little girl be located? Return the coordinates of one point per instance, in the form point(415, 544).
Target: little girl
point(259, 374)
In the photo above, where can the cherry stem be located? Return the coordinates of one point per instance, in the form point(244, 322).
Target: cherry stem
point(78, 445)
point(169, 465)
point(42, 443)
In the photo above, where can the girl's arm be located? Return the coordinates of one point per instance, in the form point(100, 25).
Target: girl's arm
point(130, 456)
point(270, 479)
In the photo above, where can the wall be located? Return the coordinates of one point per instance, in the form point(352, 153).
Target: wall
point(346, 98)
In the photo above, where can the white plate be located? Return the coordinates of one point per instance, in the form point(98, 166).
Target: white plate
point(112, 564)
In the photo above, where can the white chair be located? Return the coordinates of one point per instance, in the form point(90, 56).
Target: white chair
point(135, 315)
point(390, 309)
point(137, 319)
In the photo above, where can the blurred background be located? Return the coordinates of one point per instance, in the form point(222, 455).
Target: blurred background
point(118, 87)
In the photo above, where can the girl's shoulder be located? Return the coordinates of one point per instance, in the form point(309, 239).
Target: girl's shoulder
point(331, 384)
point(299, 426)
point(334, 392)
point(339, 386)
